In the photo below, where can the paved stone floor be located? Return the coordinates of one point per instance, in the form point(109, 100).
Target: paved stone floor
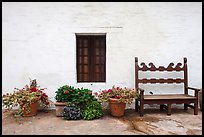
point(154, 122)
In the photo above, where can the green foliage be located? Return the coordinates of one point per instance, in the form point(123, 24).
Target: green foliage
point(63, 93)
point(73, 95)
point(92, 110)
point(79, 100)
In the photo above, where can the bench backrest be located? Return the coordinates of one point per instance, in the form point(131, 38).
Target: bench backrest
point(170, 67)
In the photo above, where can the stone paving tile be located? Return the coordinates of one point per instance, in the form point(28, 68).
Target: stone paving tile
point(154, 122)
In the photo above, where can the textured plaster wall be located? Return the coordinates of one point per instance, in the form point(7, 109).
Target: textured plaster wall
point(39, 41)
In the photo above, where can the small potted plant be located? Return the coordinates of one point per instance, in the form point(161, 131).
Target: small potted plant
point(62, 97)
point(27, 99)
point(82, 105)
point(117, 98)
point(70, 102)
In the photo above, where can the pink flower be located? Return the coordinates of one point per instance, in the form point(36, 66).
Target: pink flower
point(110, 90)
point(96, 93)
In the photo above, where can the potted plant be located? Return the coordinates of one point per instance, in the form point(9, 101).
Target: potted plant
point(117, 98)
point(87, 107)
point(70, 102)
point(27, 99)
point(62, 97)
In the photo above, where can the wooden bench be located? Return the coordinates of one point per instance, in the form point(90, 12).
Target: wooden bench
point(165, 100)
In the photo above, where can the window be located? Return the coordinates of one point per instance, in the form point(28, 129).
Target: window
point(91, 58)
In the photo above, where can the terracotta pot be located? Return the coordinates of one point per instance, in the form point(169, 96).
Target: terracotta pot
point(117, 108)
point(33, 110)
point(59, 107)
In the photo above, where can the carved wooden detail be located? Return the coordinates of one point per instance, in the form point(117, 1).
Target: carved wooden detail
point(161, 80)
point(170, 67)
point(144, 67)
point(160, 68)
point(178, 67)
point(152, 67)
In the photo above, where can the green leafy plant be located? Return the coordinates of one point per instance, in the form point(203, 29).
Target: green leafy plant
point(92, 110)
point(63, 94)
point(78, 99)
point(25, 96)
point(71, 95)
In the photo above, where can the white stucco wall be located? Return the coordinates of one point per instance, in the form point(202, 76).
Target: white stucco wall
point(39, 40)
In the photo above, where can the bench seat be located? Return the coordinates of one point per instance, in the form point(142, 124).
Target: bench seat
point(168, 97)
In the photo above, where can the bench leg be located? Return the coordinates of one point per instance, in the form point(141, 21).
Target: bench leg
point(161, 107)
point(196, 108)
point(168, 109)
point(141, 109)
point(136, 105)
point(185, 107)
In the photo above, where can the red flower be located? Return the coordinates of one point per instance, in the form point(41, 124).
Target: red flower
point(47, 103)
point(96, 93)
point(45, 95)
point(66, 92)
point(110, 90)
point(33, 89)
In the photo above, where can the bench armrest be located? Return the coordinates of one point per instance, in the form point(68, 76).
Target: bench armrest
point(196, 89)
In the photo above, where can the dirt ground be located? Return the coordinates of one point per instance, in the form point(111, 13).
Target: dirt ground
point(154, 122)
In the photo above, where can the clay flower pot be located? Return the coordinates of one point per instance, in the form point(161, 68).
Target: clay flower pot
point(59, 107)
point(33, 110)
point(117, 108)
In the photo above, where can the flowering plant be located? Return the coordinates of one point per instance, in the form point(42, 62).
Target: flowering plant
point(25, 96)
point(125, 95)
point(72, 95)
